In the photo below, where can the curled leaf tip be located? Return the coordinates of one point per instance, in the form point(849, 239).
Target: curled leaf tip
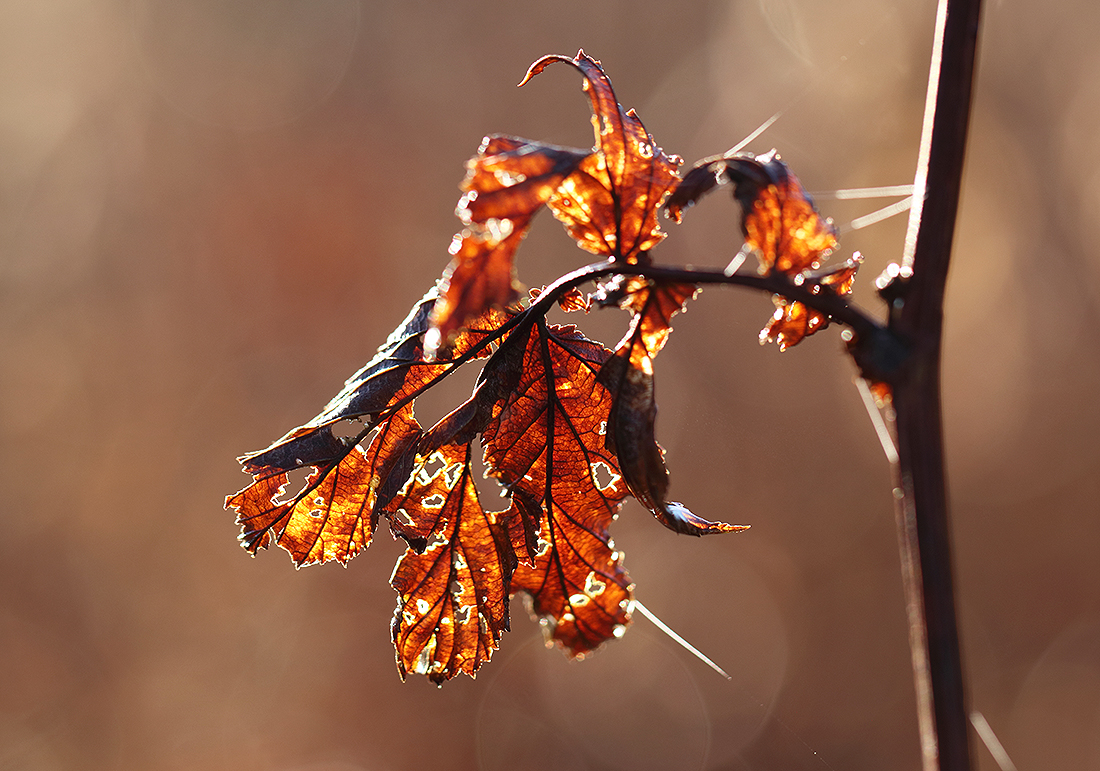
point(542, 64)
point(680, 519)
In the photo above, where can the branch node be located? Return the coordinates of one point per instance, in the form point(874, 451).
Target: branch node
point(881, 355)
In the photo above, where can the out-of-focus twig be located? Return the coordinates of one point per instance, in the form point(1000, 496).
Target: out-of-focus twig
point(916, 315)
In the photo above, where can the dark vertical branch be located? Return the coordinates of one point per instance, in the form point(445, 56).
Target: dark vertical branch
point(917, 316)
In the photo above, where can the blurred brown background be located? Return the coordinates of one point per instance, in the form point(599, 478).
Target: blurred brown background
point(212, 212)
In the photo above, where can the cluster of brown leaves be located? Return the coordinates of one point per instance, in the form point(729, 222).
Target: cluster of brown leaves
point(565, 425)
point(606, 197)
point(781, 224)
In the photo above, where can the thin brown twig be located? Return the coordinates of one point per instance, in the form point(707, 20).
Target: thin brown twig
point(834, 306)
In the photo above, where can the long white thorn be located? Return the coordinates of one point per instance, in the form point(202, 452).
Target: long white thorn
point(886, 212)
point(858, 193)
point(760, 130)
point(881, 430)
point(992, 743)
point(687, 646)
point(737, 261)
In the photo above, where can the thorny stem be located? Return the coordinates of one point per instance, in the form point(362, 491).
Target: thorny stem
point(917, 316)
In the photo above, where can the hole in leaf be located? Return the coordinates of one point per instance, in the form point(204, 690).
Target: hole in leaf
point(432, 466)
point(603, 476)
point(593, 586)
point(346, 429)
point(490, 491)
point(433, 501)
point(403, 518)
point(452, 475)
point(296, 484)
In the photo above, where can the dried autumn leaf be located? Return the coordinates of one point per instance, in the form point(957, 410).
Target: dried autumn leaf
point(577, 584)
point(506, 183)
point(778, 217)
point(557, 413)
point(335, 513)
point(453, 595)
point(574, 300)
point(780, 222)
point(545, 442)
point(607, 198)
point(609, 205)
point(542, 417)
point(628, 375)
point(791, 323)
point(397, 373)
point(480, 276)
point(569, 301)
point(794, 321)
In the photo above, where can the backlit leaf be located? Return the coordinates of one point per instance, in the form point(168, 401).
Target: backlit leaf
point(398, 372)
point(628, 374)
point(794, 321)
point(567, 426)
point(335, 512)
point(782, 225)
point(506, 183)
point(607, 198)
point(778, 217)
point(609, 205)
point(545, 441)
point(334, 516)
point(452, 596)
point(569, 301)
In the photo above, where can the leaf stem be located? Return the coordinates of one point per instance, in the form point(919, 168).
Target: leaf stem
point(832, 305)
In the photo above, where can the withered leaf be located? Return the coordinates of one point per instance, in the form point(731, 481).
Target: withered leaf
point(607, 198)
point(628, 374)
point(398, 372)
point(453, 595)
point(542, 417)
point(545, 442)
point(577, 584)
point(569, 301)
point(335, 514)
point(778, 217)
point(609, 205)
point(781, 223)
point(574, 300)
point(794, 321)
point(567, 426)
point(791, 323)
point(506, 183)
point(336, 511)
